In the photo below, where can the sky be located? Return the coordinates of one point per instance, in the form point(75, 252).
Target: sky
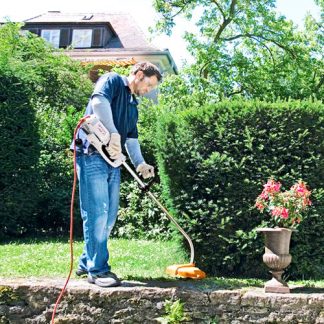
point(143, 12)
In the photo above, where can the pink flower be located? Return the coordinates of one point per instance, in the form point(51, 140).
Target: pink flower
point(300, 189)
point(271, 186)
point(306, 202)
point(285, 207)
point(259, 205)
point(284, 213)
point(264, 195)
point(280, 211)
point(276, 211)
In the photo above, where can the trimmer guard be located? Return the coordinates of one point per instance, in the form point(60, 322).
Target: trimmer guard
point(185, 271)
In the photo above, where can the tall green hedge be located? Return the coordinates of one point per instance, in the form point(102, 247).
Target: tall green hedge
point(42, 95)
point(19, 153)
point(213, 162)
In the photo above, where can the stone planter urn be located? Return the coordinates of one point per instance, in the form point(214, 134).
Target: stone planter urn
point(276, 257)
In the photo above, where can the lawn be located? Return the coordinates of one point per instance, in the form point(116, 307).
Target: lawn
point(51, 258)
point(130, 259)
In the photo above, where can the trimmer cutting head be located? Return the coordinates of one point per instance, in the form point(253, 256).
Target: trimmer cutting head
point(185, 271)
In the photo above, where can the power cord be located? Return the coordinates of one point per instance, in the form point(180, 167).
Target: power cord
point(71, 216)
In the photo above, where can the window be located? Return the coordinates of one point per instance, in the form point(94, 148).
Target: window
point(97, 37)
point(82, 38)
point(65, 38)
point(52, 36)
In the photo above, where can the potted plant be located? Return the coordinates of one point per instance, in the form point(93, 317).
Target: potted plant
point(286, 209)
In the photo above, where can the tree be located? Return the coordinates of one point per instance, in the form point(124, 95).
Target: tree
point(245, 47)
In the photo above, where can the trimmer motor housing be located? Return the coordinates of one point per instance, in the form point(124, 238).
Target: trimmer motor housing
point(99, 136)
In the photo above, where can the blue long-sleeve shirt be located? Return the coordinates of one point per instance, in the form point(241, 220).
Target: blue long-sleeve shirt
point(123, 105)
point(101, 108)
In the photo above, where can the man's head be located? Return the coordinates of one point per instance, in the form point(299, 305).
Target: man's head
point(144, 77)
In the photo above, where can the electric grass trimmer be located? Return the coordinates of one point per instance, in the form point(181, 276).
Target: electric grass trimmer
point(98, 136)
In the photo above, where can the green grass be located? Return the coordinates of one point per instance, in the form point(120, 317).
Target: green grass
point(130, 259)
point(51, 258)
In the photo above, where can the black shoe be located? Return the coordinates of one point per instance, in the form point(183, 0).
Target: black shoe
point(81, 272)
point(108, 279)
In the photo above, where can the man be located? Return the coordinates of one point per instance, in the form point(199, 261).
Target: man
point(113, 101)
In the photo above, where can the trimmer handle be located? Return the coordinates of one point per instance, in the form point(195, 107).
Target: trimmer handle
point(147, 185)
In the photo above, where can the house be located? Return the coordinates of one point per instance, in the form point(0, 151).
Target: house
point(104, 40)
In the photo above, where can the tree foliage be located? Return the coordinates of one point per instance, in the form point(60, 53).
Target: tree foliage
point(245, 47)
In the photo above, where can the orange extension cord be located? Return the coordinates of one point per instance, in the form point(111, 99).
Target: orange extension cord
point(71, 217)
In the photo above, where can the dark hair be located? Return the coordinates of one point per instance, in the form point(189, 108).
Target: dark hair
point(148, 69)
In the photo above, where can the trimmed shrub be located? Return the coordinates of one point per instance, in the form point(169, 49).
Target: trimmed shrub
point(41, 95)
point(19, 153)
point(213, 162)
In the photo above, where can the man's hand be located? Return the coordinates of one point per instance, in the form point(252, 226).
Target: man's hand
point(114, 146)
point(146, 170)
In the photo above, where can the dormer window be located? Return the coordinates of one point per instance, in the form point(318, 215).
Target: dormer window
point(52, 36)
point(81, 38)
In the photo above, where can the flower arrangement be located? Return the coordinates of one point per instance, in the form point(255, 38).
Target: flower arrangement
point(285, 207)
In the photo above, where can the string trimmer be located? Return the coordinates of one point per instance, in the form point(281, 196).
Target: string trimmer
point(98, 136)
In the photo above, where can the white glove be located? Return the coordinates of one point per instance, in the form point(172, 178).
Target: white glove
point(114, 146)
point(146, 170)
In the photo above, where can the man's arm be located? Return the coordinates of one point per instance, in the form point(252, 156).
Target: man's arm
point(134, 151)
point(102, 110)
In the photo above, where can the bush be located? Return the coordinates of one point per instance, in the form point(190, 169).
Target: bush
point(19, 153)
point(42, 94)
point(213, 162)
point(139, 217)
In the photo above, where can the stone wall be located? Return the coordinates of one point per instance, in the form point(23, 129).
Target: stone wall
point(32, 301)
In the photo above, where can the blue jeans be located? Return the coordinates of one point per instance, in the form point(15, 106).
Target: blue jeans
point(99, 189)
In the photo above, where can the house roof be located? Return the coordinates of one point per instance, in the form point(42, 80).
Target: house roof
point(127, 46)
point(129, 34)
